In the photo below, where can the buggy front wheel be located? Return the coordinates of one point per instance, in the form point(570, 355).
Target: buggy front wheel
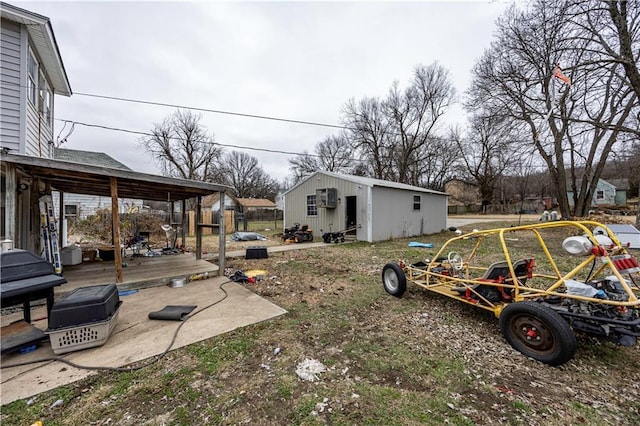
point(538, 332)
point(393, 279)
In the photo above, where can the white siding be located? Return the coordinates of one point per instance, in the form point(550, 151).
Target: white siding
point(87, 205)
point(10, 81)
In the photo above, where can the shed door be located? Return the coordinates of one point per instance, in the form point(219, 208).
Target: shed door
point(351, 220)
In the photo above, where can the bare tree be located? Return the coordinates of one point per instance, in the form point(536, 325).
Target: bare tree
point(369, 134)
point(332, 154)
point(243, 173)
point(414, 115)
point(487, 151)
point(574, 120)
point(181, 147)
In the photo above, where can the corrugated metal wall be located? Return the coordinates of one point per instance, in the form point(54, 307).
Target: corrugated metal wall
point(10, 81)
point(394, 216)
point(327, 219)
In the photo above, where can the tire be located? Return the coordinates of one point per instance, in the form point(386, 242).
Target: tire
point(538, 332)
point(393, 280)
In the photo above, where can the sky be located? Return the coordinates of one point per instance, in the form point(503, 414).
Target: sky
point(291, 60)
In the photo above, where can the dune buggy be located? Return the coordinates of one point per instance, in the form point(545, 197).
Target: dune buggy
point(543, 281)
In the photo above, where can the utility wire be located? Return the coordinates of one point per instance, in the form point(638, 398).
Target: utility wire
point(215, 111)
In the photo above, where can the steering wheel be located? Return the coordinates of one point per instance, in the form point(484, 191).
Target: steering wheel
point(455, 260)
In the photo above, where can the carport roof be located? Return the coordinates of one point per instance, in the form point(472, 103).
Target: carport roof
point(69, 177)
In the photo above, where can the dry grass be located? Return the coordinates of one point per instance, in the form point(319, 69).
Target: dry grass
point(421, 359)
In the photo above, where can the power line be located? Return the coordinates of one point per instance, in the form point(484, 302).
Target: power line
point(215, 111)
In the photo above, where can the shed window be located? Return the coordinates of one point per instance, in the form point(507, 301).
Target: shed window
point(417, 202)
point(312, 207)
point(600, 194)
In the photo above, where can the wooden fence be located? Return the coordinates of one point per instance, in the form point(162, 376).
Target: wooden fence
point(208, 218)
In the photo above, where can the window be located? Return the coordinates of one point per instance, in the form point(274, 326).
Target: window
point(417, 202)
point(312, 207)
point(600, 194)
point(44, 103)
point(70, 210)
point(32, 74)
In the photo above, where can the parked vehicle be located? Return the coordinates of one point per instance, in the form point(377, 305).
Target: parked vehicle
point(297, 234)
point(544, 282)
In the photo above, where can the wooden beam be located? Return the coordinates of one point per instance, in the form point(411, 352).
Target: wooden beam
point(199, 228)
point(221, 238)
point(115, 220)
point(61, 229)
point(184, 223)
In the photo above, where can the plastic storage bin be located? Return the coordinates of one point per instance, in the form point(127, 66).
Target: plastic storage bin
point(71, 255)
point(84, 305)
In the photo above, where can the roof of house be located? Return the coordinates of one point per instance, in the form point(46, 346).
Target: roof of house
point(257, 203)
point(44, 42)
point(622, 184)
point(88, 157)
point(210, 200)
point(367, 181)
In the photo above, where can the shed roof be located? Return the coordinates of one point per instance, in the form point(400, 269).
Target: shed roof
point(367, 181)
point(70, 177)
point(44, 42)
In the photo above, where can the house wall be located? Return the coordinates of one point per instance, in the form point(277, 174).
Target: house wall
point(609, 195)
point(394, 217)
point(621, 197)
point(11, 81)
point(87, 205)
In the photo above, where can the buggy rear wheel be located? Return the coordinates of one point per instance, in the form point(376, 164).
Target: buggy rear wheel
point(393, 279)
point(538, 332)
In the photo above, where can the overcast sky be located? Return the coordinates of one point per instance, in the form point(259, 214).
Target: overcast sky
point(292, 60)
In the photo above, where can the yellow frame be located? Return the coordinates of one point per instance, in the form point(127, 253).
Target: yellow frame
point(445, 284)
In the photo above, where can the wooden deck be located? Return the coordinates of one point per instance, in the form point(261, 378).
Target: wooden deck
point(140, 272)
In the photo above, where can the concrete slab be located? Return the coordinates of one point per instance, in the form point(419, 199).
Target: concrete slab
point(136, 337)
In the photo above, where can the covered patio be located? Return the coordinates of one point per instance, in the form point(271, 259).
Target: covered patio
point(27, 178)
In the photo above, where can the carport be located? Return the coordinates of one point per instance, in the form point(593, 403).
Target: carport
point(27, 178)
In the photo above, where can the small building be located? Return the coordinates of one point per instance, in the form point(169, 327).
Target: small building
point(253, 204)
point(376, 210)
point(607, 193)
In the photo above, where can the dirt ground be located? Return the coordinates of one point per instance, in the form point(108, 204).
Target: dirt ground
point(419, 359)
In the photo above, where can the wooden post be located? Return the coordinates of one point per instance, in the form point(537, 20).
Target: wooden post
point(184, 222)
point(199, 228)
point(115, 220)
point(221, 238)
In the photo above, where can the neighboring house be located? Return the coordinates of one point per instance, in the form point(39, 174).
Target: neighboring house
point(253, 204)
point(31, 73)
point(607, 193)
point(380, 210)
point(280, 199)
point(82, 205)
point(463, 196)
point(212, 202)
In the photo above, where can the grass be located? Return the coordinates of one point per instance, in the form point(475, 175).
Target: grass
point(420, 359)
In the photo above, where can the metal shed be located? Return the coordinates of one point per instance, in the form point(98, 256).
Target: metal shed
point(381, 210)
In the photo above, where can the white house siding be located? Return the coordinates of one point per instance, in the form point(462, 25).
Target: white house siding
point(394, 217)
point(11, 82)
point(38, 134)
point(87, 205)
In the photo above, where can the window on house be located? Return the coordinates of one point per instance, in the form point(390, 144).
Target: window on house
point(44, 103)
point(417, 202)
point(312, 207)
point(600, 194)
point(32, 74)
point(70, 210)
